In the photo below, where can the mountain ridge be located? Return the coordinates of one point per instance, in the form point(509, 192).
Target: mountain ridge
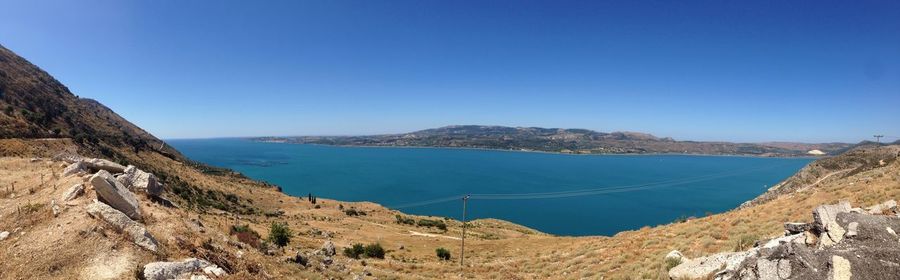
point(562, 140)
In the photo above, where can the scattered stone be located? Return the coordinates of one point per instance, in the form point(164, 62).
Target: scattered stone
point(851, 230)
point(199, 277)
point(891, 231)
point(674, 256)
point(75, 168)
point(55, 208)
point(114, 194)
point(139, 181)
point(4, 235)
point(138, 234)
point(328, 249)
point(214, 270)
point(880, 208)
point(327, 260)
point(840, 268)
point(173, 270)
point(795, 228)
point(73, 192)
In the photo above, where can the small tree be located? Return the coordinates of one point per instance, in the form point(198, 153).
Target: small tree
point(442, 254)
point(280, 234)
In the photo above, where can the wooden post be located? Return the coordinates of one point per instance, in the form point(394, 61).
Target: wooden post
point(462, 253)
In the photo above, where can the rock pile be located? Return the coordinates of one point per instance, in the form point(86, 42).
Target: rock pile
point(841, 243)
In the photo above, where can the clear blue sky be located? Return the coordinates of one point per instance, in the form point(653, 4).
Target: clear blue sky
point(695, 70)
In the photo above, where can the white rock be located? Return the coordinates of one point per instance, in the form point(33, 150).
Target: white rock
point(852, 229)
point(172, 270)
point(75, 168)
point(102, 164)
point(115, 194)
point(138, 234)
point(704, 266)
point(880, 208)
point(139, 181)
point(826, 215)
point(840, 268)
point(199, 277)
point(73, 192)
point(54, 207)
point(675, 255)
point(214, 270)
point(4, 235)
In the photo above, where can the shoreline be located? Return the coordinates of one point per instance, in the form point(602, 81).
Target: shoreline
point(539, 152)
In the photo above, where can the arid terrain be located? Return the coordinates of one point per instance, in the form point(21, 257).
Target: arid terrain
point(210, 213)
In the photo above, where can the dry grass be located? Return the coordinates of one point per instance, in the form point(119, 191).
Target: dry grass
point(494, 249)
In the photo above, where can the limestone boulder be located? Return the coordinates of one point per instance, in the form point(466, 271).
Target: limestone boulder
point(118, 220)
point(702, 267)
point(139, 181)
point(115, 194)
point(103, 164)
point(173, 270)
point(75, 168)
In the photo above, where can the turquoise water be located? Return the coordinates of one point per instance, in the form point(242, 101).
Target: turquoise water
point(586, 197)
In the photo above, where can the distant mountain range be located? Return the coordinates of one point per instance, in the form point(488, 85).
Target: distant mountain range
point(558, 140)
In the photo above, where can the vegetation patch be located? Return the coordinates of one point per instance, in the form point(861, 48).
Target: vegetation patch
point(359, 250)
point(442, 254)
point(280, 234)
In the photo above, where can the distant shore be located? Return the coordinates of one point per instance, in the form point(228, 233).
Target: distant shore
point(537, 151)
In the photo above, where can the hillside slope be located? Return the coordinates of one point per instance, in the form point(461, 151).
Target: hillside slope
point(581, 141)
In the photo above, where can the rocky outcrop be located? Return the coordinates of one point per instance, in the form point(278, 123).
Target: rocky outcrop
point(186, 269)
point(850, 245)
point(328, 249)
point(139, 181)
point(113, 193)
point(118, 220)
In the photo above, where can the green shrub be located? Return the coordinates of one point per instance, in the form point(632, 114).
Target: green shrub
point(354, 251)
point(280, 234)
point(374, 251)
point(405, 220)
point(432, 223)
point(354, 212)
point(442, 254)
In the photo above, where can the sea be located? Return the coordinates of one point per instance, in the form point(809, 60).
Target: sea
point(560, 194)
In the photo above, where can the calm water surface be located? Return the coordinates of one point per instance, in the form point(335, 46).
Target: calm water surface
point(403, 176)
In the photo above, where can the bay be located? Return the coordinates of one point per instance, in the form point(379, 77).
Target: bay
point(555, 193)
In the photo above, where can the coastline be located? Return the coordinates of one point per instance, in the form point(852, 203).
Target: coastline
point(540, 152)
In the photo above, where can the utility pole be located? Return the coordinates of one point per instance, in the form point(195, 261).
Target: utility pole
point(878, 138)
point(462, 253)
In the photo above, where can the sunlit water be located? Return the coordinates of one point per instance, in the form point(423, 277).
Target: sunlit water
point(686, 185)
